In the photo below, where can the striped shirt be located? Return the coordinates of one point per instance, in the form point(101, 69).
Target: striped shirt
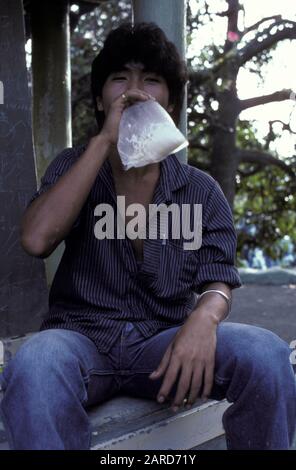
point(99, 285)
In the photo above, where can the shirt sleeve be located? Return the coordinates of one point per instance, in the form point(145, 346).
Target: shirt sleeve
point(215, 259)
point(58, 167)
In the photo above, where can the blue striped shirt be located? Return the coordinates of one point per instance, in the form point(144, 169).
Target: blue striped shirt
point(99, 285)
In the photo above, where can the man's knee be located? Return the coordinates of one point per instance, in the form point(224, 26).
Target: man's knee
point(254, 354)
point(40, 356)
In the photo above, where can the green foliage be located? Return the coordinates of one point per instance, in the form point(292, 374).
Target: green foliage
point(265, 203)
point(265, 211)
point(246, 136)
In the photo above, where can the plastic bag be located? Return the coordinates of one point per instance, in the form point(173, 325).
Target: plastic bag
point(147, 134)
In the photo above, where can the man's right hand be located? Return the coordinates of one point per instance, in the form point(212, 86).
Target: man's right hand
point(111, 125)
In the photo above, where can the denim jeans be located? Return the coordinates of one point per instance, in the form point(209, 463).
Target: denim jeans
point(57, 374)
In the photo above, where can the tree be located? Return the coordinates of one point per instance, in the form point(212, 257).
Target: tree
point(264, 184)
point(217, 84)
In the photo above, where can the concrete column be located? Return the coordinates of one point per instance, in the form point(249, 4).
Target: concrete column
point(23, 291)
point(170, 16)
point(51, 71)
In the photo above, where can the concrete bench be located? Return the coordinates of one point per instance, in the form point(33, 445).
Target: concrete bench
point(127, 423)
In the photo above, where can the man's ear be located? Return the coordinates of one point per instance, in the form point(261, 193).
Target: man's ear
point(99, 104)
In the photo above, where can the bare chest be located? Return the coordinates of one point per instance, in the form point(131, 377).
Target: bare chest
point(142, 194)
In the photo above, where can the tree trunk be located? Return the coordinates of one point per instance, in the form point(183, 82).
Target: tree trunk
point(224, 163)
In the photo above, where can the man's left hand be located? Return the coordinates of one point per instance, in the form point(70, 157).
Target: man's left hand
point(192, 354)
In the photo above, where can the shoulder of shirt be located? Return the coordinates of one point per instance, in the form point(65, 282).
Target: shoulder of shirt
point(66, 158)
point(72, 152)
point(198, 178)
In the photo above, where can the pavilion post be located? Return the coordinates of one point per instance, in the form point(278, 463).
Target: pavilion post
point(23, 290)
point(170, 16)
point(51, 70)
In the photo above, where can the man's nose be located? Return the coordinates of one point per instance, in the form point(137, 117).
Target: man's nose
point(135, 82)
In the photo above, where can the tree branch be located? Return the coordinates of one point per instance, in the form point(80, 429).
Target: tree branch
point(232, 25)
point(258, 100)
point(263, 158)
point(272, 135)
point(286, 126)
point(247, 173)
point(254, 47)
point(260, 22)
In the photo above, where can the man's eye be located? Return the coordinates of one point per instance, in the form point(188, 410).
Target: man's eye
point(119, 78)
point(152, 79)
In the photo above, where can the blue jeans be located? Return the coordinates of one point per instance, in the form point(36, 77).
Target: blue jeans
point(57, 374)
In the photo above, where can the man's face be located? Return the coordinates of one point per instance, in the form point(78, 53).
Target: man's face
point(131, 77)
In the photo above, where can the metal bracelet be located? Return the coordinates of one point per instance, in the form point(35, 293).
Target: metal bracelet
point(228, 300)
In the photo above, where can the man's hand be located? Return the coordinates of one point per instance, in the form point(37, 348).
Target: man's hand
point(111, 124)
point(192, 354)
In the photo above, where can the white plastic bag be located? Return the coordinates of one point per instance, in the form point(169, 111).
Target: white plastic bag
point(147, 134)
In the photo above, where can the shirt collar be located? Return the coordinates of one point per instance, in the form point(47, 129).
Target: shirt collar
point(173, 176)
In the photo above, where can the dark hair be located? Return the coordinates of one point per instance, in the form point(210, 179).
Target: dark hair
point(145, 43)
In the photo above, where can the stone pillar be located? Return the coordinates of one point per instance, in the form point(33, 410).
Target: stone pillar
point(51, 70)
point(23, 292)
point(170, 16)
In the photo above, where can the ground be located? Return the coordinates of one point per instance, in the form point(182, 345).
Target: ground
point(268, 306)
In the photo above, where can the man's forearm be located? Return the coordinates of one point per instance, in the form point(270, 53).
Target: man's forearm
point(50, 217)
point(212, 305)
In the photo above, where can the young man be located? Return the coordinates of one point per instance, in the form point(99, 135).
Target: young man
point(123, 315)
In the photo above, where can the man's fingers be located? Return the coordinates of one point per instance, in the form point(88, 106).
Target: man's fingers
point(208, 379)
point(195, 386)
point(135, 93)
point(132, 96)
point(162, 365)
point(183, 387)
point(169, 379)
